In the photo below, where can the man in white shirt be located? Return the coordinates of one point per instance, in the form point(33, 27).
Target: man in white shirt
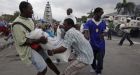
point(82, 48)
point(126, 28)
point(70, 15)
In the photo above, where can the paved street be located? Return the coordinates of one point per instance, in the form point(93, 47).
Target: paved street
point(119, 60)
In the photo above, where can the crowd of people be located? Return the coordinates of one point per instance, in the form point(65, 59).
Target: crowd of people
point(87, 43)
point(5, 34)
point(4, 27)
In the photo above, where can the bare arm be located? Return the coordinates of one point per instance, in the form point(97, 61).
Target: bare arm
point(29, 41)
point(42, 40)
point(128, 27)
point(57, 50)
point(86, 34)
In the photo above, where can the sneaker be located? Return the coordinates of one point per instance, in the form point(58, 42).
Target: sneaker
point(120, 44)
point(55, 61)
point(93, 71)
point(131, 44)
point(99, 74)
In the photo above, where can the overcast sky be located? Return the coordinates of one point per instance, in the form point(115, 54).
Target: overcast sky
point(59, 7)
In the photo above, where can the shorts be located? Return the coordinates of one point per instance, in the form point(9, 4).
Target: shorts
point(38, 61)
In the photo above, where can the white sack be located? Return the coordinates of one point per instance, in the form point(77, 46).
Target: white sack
point(56, 42)
point(53, 42)
point(35, 34)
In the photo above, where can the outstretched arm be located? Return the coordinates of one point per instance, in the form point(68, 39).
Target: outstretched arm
point(86, 34)
point(57, 50)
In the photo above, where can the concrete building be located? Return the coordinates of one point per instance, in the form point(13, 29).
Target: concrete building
point(48, 14)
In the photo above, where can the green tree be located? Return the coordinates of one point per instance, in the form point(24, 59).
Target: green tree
point(90, 14)
point(125, 7)
point(16, 14)
point(84, 18)
point(137, 11)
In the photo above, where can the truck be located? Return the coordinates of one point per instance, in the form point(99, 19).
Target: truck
point(135, 23)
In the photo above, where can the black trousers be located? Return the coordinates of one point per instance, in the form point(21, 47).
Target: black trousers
point(125, 36)
point(97, 64)
point(109, 34)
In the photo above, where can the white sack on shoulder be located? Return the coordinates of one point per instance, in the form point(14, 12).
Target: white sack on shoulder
point(35, 34)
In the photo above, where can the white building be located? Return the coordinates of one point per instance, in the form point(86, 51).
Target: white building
point(48, 13)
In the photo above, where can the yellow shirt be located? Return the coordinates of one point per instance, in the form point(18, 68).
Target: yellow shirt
point(19, 35)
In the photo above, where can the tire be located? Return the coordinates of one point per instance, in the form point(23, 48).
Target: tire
point(134, 32)
point(120, 33)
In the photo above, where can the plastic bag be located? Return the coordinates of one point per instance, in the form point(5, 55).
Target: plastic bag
point(36, 34)
point(56, 42)
point(53, 42)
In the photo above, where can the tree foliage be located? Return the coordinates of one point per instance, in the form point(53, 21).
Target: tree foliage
point(10, 18)
point(125, 8)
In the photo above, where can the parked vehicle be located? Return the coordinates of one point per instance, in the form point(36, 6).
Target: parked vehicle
point(119, 19)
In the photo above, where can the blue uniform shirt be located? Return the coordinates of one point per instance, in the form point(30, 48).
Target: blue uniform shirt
point(95, 31)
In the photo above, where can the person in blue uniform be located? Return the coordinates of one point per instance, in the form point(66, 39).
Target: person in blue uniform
point(94, 31)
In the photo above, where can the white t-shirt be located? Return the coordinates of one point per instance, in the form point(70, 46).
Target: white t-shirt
point(69, 16)
point(126, 25)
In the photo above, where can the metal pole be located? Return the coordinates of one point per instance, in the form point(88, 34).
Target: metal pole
point(27, 0)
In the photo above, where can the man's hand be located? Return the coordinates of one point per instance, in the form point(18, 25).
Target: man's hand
point(61, 26)
point(86, 34)
point(69, 60)
point(102, 35)
point(50, 52)
point(72, 57)
point(57, 50)
point(43, 40)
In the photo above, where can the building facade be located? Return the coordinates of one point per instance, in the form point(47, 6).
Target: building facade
point(48, 13)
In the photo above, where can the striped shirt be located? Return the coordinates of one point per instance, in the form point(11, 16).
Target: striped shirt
point(75, 39)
